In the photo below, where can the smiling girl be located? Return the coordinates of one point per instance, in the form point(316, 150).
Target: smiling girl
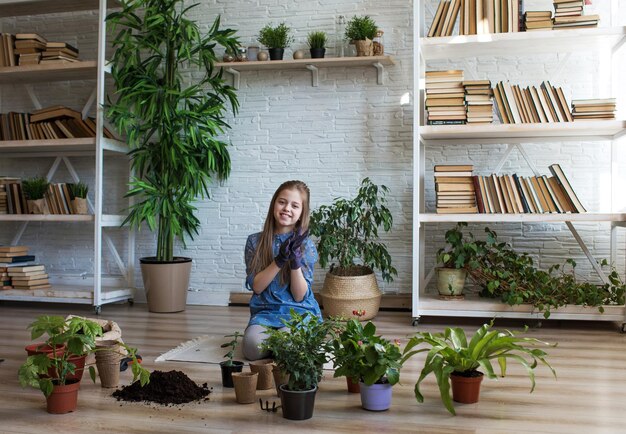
point(279, 266)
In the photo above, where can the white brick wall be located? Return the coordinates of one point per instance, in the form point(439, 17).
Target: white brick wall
point(329, 136)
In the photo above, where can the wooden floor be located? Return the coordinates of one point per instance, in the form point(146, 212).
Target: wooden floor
point(589, 395)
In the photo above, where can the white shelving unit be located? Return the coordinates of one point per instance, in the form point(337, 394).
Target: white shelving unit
point(515, 136)
point(91, 287)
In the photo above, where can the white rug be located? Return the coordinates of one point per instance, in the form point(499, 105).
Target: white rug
point(203, 349)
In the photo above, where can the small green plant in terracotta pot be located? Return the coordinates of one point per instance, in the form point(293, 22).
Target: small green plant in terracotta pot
point(276, 39)
point(451, 357)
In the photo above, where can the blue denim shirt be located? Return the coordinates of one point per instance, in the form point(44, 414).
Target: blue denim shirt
point(273, 304)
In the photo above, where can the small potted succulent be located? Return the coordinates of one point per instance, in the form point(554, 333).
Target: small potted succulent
point(276, 39)
point(358, 353)
point(361, 31)
point(79, 197)
point(35, 192)
point(452, 358)
point(300, 351)
point(229, 365)
point(317, 44)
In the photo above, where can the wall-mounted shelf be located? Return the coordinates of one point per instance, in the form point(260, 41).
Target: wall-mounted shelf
point(378, 62)
point(502, 44)
point(516, 133)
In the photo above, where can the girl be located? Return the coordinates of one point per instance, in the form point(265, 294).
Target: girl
point(279, 266)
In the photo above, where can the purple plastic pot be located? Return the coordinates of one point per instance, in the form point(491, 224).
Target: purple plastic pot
point(376, 397)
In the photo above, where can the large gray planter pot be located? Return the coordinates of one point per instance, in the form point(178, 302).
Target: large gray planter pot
point(166, 283)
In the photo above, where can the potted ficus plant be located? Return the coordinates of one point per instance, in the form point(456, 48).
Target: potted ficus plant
point(57, 372)
point(79, 192)
point(452, 358)
point(459, 254)
point(276, 39)
point(358, 353)
point(361, 31)
point(34, 190)
point(299, 351)
point(229, 365)
point(347, 231)
point(172, 121)
point(317, 44)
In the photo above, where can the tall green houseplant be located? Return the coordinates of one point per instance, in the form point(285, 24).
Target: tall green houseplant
point(170, 102)
point(172, 123)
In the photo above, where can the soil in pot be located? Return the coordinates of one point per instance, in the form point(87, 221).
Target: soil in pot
point(172, 387)
point(227, 371)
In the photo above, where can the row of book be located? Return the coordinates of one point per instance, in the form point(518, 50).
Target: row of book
point(477, 17)
point(32, 48)
point(58, 198)
point(17, 270)
point(55, 122)
point(460, 192)
point(545, 104)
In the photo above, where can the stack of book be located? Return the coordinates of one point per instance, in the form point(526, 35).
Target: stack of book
point(477, 17)
point(445, 97)
point(516, 105)
point(593, 109)
point(29, 277)
point(59, 52)
point(479, 103)
point(10, 257)
point(538, 20)
point(28, 47)
point(5, 280)
point(15, 200)
point(569, 14)
point(513, 194)
point(454, 189)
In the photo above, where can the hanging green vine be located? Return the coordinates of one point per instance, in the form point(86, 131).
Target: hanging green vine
point(503, 273)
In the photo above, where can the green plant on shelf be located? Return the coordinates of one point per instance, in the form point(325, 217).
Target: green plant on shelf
point(276, 36)
point(35, 188)
point(80, 190)
point(361, 28)
point(317, 40)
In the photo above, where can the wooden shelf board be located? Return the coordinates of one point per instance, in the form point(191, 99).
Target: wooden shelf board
point(45, 73)
point(82, 294)
point(84, 144)
point(510, 133)
point(302, 63)
point(523, 218)
point(503, 44)
point(14, 8)
point(474, 306)
point(108, 220)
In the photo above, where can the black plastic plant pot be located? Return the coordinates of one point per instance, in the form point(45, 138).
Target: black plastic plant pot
point(317, 53)
point(276, 53)
point(227, 371)
point(297, 405)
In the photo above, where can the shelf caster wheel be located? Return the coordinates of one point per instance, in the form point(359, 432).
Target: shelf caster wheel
point(131, 301)
point(415, 322)
point(97, 309)
point(623, 328)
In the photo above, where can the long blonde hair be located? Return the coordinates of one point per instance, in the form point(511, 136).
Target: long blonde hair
point(264, 254)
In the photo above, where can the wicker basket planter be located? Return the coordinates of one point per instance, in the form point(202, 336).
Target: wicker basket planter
point(341, 295)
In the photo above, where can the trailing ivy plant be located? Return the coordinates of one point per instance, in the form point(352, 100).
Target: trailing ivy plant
point(348, 232)
point(503, 273)
point(171, 103)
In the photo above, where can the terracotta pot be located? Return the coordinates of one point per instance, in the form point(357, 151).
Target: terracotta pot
point(245, 386)
point(279, 378)
point(364, 47)
point(166, 283)
point(466, 389)
point(353, 385)
point(450, 281)
point(264, 368)
point(63, 399)
point(79, 363)
point(41, 348)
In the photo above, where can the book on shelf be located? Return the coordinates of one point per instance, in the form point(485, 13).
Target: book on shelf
point(476, 17)
point(516, 105)
point(33, 268)
point(455, 189)
point(569, 191)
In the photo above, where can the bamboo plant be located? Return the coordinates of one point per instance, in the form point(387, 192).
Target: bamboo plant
point(171, 103)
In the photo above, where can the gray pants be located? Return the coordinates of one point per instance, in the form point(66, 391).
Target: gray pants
point(252, 338)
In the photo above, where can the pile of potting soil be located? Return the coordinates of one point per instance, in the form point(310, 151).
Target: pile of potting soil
point(172, 387)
